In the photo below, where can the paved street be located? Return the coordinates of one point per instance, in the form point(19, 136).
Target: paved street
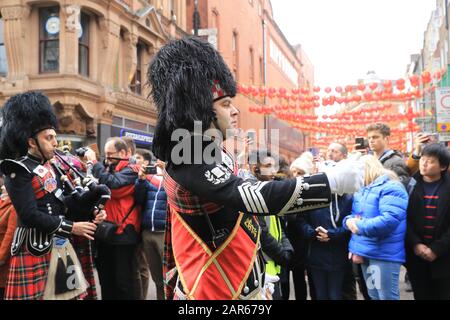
point(403, 294)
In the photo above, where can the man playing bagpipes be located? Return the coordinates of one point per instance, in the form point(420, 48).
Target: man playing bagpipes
point(50, 209)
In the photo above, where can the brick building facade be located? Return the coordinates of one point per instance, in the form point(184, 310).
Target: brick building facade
point(248, 37)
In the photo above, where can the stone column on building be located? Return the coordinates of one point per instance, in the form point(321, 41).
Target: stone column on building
point(70, 17)
point(130, 59)
point(14, 18)
point(109, 50)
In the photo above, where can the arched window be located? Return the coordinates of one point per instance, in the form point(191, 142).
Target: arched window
point(136, 82)
point(49, 26)
point(3, 60)
point(83, 45)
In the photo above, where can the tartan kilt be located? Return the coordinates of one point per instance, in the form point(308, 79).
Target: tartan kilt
point(83, 248)
point(27, 276)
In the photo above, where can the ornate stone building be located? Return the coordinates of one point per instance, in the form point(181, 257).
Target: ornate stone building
point(90, 57)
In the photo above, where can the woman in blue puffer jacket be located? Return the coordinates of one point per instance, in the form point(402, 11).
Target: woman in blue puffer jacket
point(378, 226)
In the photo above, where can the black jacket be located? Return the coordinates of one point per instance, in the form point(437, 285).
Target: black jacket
point(280, 252)
point(332, 255)
point(441, 245)
point(392, 160)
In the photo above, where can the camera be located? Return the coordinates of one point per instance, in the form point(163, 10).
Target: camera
point(362, 143)
point(80, 152)
point(150, 170)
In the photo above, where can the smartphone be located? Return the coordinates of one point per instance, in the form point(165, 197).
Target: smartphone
point(251, 135)
point(433, 138)
point(150, 170)
point(321, 229)
point(315, 151)
point(361, 143)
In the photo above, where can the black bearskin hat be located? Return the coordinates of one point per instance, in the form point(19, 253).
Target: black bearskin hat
point(182, 76)
point(22, 117)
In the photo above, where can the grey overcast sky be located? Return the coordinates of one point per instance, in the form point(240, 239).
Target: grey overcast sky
point(346, 38)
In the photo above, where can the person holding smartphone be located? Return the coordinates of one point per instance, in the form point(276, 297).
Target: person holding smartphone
point(327, 248)
point(150, 194)
point(421, 140)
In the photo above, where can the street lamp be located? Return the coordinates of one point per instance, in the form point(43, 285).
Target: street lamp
point(196, 18)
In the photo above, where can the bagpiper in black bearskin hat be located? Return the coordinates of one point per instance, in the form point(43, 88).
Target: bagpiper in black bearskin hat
point(187, 76)
point(23, 116)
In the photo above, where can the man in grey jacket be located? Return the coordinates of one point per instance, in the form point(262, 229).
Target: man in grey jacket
point(378, 135)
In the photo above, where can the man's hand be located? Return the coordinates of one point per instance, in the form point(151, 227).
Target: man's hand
point(142, 175)
point(322, 234)
point(420, 140)
point(424, 252)
point(429, 255)
point(323, 237)
point(84, 229)
point(362, 151)
point(162, 165)
point(99, 216)
point(90, 155)
point(355, 258)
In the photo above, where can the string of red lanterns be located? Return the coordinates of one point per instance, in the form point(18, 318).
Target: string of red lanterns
point(379, 91)
point(347, 123)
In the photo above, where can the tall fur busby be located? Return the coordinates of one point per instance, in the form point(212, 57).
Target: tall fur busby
point(22, 117)
point(182, 76)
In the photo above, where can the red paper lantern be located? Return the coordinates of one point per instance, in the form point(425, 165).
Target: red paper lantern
point(361, 86)
point(338, 89)
point(414, 80)
point(327, 89)
point(437, 75)
point(373, 86)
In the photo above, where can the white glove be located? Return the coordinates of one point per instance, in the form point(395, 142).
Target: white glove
point(346, 177)
point(269, 286)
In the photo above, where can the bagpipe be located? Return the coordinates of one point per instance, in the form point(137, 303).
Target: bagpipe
point(82, 188)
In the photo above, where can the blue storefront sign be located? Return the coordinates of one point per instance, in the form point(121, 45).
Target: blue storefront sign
point(139, 138)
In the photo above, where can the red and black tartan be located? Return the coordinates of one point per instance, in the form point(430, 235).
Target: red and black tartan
point(27, 276)
point(83, 248)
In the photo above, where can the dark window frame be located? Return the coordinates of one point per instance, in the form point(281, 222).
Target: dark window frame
point(43, 39)
point(135, 87)
point(84, 43)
